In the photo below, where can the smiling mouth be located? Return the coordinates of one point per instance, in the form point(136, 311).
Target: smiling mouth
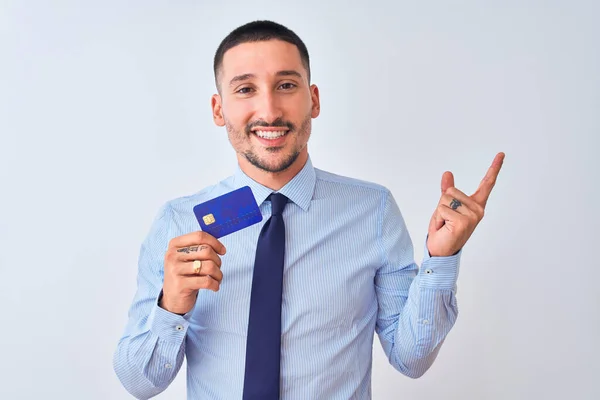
point(270, 134)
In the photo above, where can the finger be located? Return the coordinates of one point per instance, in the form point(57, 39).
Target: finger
point(196, 238)
point(467, 205)
point(449, 215)
point(436, 223)
point(458, 207)
point(482, 193)
point(198, 252)
point(207, 267)
point(201, 282)
point(441, 217)
point(447, 181)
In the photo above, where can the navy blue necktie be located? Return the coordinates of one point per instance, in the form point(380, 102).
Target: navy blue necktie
point(263, 347)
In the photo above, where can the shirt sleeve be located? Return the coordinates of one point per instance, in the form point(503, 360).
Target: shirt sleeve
point(151, 350)
point(417, 306)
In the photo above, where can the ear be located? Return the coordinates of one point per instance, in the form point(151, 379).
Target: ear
point(217, 110)
point(316, 102)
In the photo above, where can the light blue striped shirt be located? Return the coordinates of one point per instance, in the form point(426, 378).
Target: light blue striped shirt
point(349, 273)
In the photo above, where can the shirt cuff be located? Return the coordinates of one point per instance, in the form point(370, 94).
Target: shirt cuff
point(166, 325)
point(439, 272)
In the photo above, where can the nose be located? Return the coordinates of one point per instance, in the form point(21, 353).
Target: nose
point(268, 108)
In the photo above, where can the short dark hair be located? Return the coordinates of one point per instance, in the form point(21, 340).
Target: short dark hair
point(259, 31)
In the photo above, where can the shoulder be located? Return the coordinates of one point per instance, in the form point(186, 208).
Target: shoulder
point(342, 184)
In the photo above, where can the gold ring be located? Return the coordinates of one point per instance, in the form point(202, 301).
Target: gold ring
point(197, 266)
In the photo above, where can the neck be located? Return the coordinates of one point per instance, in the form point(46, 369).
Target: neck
point(273, 180)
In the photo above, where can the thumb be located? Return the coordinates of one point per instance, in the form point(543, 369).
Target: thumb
point(447, 181)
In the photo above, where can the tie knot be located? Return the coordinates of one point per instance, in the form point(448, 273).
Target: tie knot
point(278, 202)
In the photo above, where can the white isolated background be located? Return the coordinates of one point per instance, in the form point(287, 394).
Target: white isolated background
point(104, 115)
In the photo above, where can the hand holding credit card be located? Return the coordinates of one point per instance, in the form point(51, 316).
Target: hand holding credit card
point(228, 213)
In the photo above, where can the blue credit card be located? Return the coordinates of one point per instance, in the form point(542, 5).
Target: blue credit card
point(228, 213)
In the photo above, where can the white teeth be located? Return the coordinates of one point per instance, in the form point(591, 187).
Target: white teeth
point(270, 134)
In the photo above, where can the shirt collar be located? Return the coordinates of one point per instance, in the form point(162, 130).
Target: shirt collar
point(299, 190)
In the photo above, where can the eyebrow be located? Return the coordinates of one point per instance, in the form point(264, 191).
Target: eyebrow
point(245, 77)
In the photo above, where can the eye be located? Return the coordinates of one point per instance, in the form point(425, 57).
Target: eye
point(287, 86)
point(244, 90)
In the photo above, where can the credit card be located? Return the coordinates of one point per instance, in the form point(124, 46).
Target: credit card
point(228, 213)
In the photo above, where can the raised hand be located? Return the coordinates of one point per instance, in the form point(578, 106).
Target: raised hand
point(457, 215)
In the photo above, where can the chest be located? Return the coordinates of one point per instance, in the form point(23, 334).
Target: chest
point(329, 272)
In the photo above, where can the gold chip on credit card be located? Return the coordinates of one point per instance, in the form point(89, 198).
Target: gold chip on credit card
point(208, 219)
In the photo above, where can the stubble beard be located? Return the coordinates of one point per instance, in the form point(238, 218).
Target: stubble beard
point(261, 164)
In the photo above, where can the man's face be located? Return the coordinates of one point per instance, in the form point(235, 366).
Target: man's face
point(266, 103)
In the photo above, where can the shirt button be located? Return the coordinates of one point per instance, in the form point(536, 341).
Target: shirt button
point(429, 271)
point(168, 366)
point(425, 321)
point(179, 327)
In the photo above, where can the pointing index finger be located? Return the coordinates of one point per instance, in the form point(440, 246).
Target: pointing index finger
point(482, 193)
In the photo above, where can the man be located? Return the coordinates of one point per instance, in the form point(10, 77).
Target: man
point(287, 308)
